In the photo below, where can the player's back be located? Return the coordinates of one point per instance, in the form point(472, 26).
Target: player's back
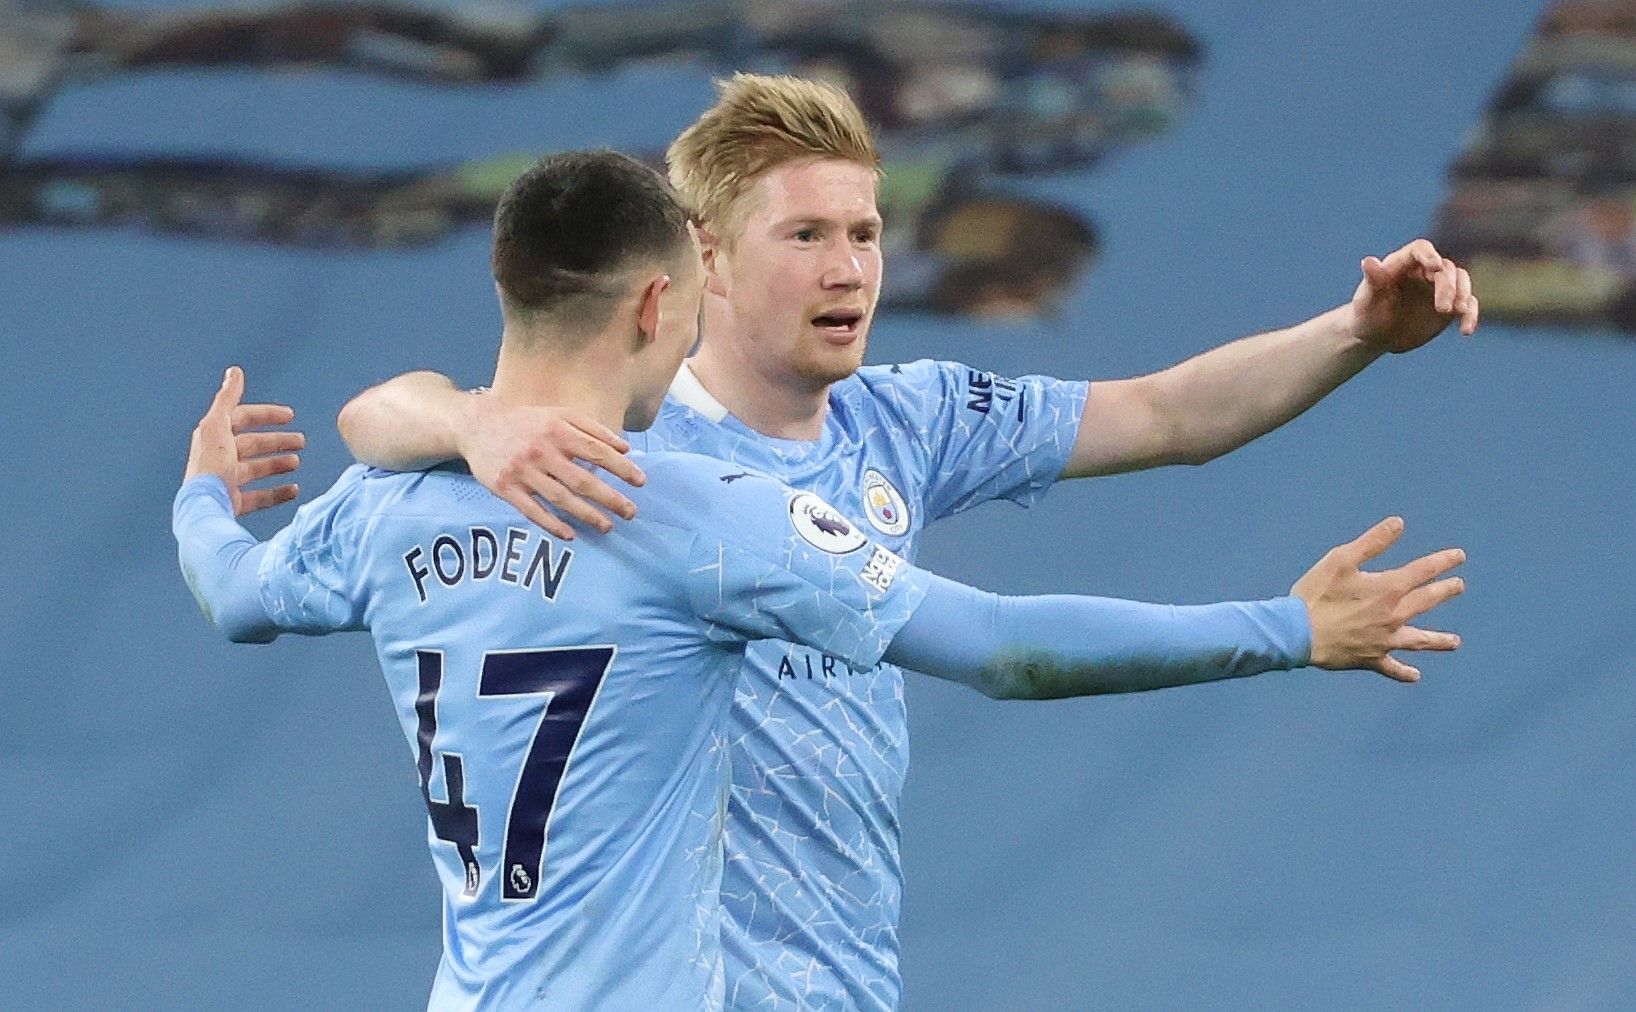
point(565, 705)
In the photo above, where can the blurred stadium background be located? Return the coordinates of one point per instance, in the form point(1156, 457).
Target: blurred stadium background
point(197, 825)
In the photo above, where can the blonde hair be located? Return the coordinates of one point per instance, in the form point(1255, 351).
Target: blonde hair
point(758, 123)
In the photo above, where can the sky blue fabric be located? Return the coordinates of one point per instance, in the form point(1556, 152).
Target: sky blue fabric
point(813, 881)
point(197, 825)
point(562, 702)
point(580, 710)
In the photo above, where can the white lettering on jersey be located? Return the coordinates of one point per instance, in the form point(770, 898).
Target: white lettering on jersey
point(881, 569)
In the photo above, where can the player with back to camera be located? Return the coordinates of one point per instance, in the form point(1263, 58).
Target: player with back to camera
point(634, 637)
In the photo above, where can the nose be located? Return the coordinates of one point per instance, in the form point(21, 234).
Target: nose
point(844, 271)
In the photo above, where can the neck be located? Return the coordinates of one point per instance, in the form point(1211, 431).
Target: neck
point(777, 405)
point(593, 379)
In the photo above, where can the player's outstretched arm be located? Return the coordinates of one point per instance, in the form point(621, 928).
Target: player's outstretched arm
point(1050, 647)
point(304, 588)
point(526, 455)
point(219, 558)
point(1218, 401)
point(768, 562)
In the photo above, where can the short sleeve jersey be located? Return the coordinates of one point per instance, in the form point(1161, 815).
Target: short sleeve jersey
point(566, 704)
point(820, 747)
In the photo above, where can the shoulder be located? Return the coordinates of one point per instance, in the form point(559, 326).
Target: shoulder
point(703, 494)
point(677, 427)
point(363, 495)
point(447, 487)
point(682, 466)
point(724, 502)
point(918, 382)
point(679, 481)
point(349, 497)
point(902, 375)
point(913, 396)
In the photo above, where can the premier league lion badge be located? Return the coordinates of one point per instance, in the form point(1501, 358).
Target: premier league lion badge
point(823, 527)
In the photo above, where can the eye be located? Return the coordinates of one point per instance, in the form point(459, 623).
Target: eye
point(807, 235)
point(865, 236)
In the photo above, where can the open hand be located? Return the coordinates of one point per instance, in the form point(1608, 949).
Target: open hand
point(1408, 298)
point(525, 454)
point(1358, 618)
point(224, 445)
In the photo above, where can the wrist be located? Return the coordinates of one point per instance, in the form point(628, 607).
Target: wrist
point(1354, 335)
point(1316, 649)
point(204, 481)
point(206, 485)
point(467, 412)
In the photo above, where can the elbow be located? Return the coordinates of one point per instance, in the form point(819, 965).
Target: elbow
point(235, 622)
point(1183, 443)
point(1195, 456)
point(1045, 677)
point(237, 626)
point(1007, 689)
point(352, 419)
point(1175, 433)
point(245, 633)
point(1187, 445)
point(363, 413)
point(1020, 679)
point(996, 684)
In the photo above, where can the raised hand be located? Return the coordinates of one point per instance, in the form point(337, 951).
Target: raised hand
point(225, 445)
point(1408, 298)
point(526, 454)
point(1358, 617)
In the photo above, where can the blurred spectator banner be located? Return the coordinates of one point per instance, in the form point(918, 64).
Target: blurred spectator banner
point(1542, 198)
point(963, 98)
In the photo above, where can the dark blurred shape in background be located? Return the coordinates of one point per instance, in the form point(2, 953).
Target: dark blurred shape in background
point(963, 96)
point(1542, 200)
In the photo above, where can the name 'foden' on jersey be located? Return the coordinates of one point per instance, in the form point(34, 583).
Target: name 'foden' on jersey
point(480, 555)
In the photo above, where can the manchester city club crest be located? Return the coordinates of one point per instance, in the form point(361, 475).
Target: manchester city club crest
point(884, 504)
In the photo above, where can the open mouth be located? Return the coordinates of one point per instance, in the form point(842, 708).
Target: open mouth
point(839, 323)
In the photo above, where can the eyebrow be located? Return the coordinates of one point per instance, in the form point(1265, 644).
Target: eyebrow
point(873, 221)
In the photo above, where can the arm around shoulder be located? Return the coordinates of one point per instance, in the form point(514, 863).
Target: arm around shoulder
point(524, 453)
point(409, 422)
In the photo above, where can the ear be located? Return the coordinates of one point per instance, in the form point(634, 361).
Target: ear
point(710, 250)
point(647, 311)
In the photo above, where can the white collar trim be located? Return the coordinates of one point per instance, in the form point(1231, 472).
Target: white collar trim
point(689, 392)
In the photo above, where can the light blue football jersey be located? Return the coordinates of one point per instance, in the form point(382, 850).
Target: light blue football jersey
point(567, 704)
point(820, 747)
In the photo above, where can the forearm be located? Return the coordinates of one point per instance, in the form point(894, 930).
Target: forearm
point(219, 560)
point(1227, 397)
point(1059, 646)
point(405, 424)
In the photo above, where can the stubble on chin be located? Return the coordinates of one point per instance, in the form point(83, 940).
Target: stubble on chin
point(831, 365)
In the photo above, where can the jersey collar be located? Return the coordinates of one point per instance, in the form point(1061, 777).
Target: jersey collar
point(689, 392)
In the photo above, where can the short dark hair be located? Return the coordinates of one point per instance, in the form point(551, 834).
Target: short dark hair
point(567, 229)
